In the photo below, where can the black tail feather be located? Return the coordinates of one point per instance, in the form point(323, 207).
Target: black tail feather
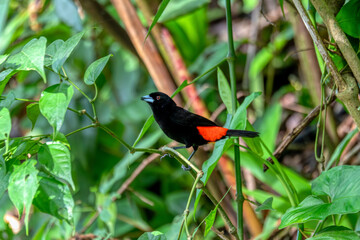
point(241, 133)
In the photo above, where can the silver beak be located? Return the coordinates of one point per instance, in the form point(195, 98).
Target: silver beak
point(147, 98)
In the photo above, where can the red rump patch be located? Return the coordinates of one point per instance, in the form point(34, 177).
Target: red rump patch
point(212, 133)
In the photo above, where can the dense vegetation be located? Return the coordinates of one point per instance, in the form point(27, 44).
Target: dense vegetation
point(81, 156)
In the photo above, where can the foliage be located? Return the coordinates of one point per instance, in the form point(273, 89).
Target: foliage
point(79, 152)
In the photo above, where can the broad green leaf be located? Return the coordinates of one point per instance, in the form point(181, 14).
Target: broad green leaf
point(67, 11)
point(144, 129)
point(210, 164)
point(65, 50)
point(340, 184)
point(340, 148)
point(56, 159)
point(5, 123)
point(32, 112)
point(266, 205)
point(54, 197)
point(158, 14)
point(239, 119)
point(31, 57)
point(335, 233)
point(155, 235)
point(94, 70)
point(53, 104)
point(5, 77)
point(177, 8)
point(349, 18)
point(224, 90)
point(23, 184)
point(209, 221)
point(51, 50)
point(3, 58)
point(21, 148)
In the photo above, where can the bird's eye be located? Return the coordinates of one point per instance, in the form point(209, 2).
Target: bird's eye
point(158, 98)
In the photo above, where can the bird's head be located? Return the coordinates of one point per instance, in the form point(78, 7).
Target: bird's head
point(158, 100)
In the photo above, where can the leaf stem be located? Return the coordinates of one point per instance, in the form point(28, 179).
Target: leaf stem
point(80, 129)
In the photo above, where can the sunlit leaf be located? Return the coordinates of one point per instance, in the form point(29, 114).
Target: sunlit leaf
point(31, 57)
point(65, 50)
point(53, 103)
point(23, 184)
point(335, 233)
point(5, 123)
point(155, 235)
point(56, 159)
point(331, 183)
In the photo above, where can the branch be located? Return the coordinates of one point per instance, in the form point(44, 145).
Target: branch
point(339, 36)
point(296, 131)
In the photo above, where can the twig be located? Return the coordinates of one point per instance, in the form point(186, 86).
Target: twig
point(296, 131)
point(219, 234)
point(136, 173)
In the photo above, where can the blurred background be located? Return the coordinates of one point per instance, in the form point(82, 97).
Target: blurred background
point(275, 56)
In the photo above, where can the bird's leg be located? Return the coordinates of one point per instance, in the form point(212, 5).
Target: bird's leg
point(180, 147)
point(188, 168)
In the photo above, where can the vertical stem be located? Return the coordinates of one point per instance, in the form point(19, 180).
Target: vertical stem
point(231, 62)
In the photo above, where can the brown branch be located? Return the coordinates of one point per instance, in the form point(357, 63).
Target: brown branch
point(328, 16)
point(97, 12)
point(289, 138)
point(146, 50)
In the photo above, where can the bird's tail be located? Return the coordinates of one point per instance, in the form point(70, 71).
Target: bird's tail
point(241, 133)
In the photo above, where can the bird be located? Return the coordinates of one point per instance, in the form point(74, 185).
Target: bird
point(188, 128)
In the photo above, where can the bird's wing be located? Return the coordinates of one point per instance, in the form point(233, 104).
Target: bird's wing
point(185, 118)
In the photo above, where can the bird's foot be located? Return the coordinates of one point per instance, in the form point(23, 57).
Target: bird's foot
point(188, 168)
point(166, 155)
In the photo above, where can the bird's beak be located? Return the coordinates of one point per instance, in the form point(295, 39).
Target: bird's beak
point(147, 98)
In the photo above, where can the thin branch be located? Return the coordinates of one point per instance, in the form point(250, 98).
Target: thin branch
point(296, 131)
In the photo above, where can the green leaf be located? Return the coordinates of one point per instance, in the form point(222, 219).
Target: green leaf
point(224, 90)
point(158, 14)
point(209, 221)
point(3, 58)
point(32, 112)
point(60, 137)
point(340, 184)
point(56, 159)
point(4, 7)
point(155, 235)
point(23, 184)
point(340, 148)
point(65, 50)
point(349, 18)
point(94, 70)
point(266, 205)
point(5, 77)
point(144, 129)
point(54, 197)
point(53, 104)
point(240, 117)
point(31, 57)
point(5, 123)
point(51, 50)
point(335, 233)
point(177, 8)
